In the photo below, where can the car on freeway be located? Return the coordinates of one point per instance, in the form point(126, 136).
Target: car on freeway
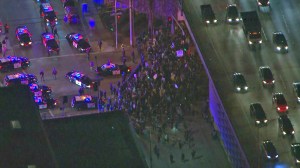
point(269, 150)
point(19, 79)
point(48, 14)
point(23, 36)
point(285, 125)
point(68, 3)
point(80, 79)
point(232, 14)
point(45, 103)
point(296, 88)
point(295, 149)
point(266, 75)
point(239, 82)
point(280, 103)
point(208, 15)
point(258, 113)
point(78, 42)
point(40, 90)
point(84, 102)
point(110, 69)
point(71, 15)
point(10, 63)
point(280, 42)
point(50, 43)
point(263, 3)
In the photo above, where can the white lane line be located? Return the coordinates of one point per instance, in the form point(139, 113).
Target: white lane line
point(285, 23)
point(263, 32)
point(57, 56)
point(50, 112)
point(283, 83)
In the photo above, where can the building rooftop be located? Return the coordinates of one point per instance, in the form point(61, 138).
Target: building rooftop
point(23, 142)
point(97, 140)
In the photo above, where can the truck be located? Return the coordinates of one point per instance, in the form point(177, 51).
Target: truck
point(252, 28)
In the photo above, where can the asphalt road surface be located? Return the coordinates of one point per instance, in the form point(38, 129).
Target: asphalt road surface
point(26, 12)
point(226, 51)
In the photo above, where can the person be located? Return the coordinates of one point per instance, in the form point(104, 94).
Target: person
point(100, 44)
point(193, 154)
point(0, 47)
point(81, 91)
point(4, 48)
point(54, 73)
point(6, 28)
point(55, 31)
point(133, 56)
point(124, 60)
point(171, 158)
point(42, 75)
point(88, 53)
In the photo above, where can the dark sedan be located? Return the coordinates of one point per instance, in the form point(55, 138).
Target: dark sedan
point(280, 42)
point(239, 82)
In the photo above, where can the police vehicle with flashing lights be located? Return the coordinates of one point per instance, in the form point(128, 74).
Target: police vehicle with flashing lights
point(10, 63)
point(19, 79)
point(84, 102)
point(78, 42)
point(48, 40)
point(40, 90)
point(79, 79)
point(45, 103)
point(23, 36)
point(48, 14)
point(110, 69)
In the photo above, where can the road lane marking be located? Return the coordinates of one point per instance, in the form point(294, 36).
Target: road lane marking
point(285, 23)
point(263, 32)
point(283, 83)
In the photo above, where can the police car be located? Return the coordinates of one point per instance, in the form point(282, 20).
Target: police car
point(110, 69)
point(23, 35)
point(10, 63)
point(71, 15)
point(19, 79)
point(80, 79)
point(48, 14)
point(84, 102)
point(78, 42)
point(45, 103)
point(40, 90)
point(48, 40)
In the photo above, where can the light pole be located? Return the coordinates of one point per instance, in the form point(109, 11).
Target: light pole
point(116, 23)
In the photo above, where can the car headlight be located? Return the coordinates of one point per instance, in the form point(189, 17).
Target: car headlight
point(269, 157)
point(215, 21)
point(260, 41)
point(22, 44)
point(293, 132)
point(246, 87)
point(264, 82)
point(257, 121)
point(88, 86)
point(265, 121)
point(278, 48)
point(237, 19)
point(259, 3)
point(298, 99)
point(283, 132)
point(287, 107)
point(207, 21)
point(286, 47)
point(278, 108)
point(55, 19)
point(229, 20)
point(47, 20)
point(276, 156)
point(29, 42)
point(238, 88)
point(268, 2)
point(273, 81)
point(250, 42)
point(298, 161)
